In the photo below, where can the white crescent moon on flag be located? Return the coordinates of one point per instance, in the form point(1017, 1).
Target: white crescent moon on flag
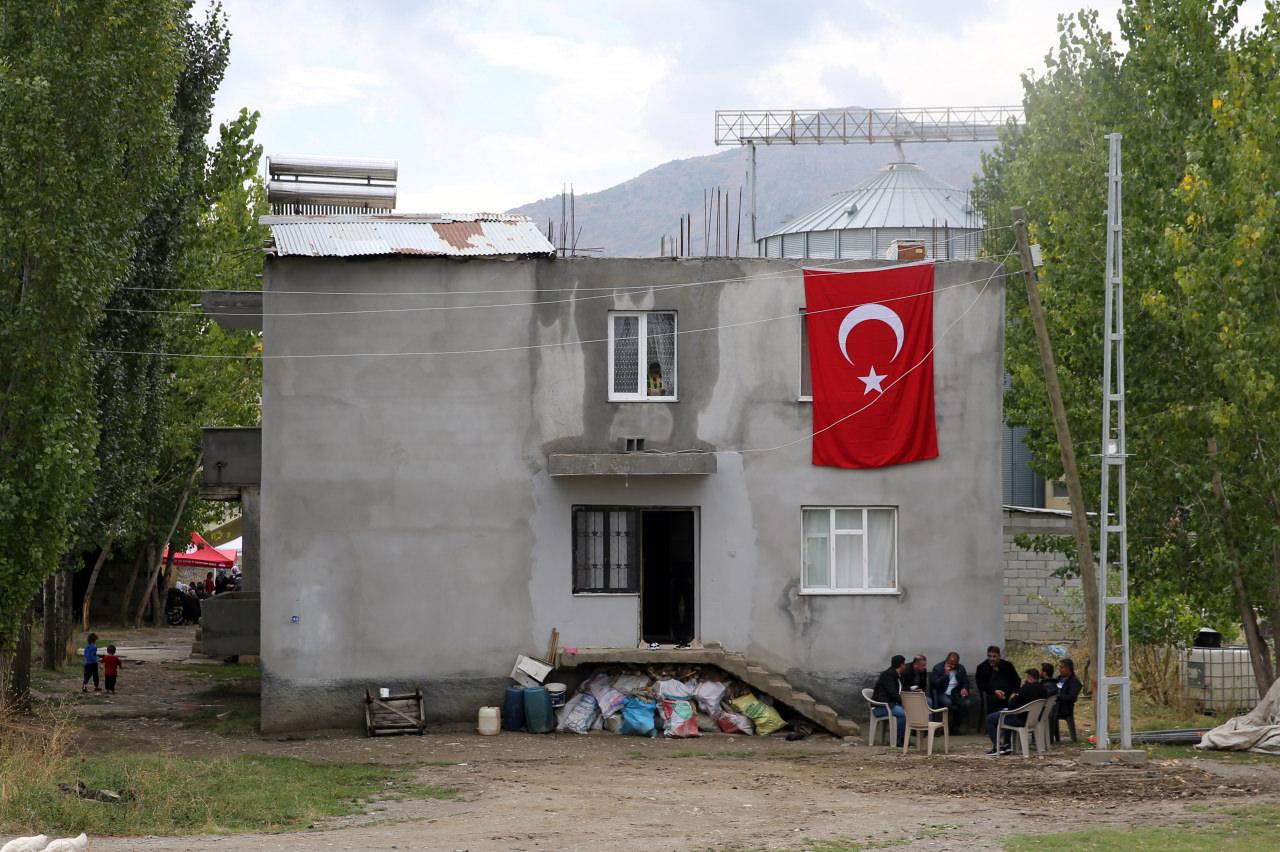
point(863, 313)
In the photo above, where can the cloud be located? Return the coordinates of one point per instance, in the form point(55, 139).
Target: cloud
point(487, 106)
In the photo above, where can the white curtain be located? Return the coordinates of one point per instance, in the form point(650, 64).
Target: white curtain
point(817, 552)
point(881, 555)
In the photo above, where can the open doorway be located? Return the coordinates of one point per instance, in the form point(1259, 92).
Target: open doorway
point(667, 578)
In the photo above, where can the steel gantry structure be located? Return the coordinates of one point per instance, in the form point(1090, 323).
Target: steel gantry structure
point(898, 125)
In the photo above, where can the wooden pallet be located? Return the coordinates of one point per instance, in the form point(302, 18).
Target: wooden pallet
point(395, 714)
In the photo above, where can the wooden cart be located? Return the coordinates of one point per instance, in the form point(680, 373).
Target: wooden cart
point(395, 714)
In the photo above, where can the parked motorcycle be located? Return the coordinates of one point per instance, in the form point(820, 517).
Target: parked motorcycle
point(181, 608)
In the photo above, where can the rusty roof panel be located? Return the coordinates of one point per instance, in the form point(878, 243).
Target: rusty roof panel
point(474, 235)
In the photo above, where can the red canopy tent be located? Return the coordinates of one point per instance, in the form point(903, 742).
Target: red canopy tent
point(201, 554)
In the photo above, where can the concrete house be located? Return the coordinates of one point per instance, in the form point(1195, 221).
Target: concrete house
point(467, 442)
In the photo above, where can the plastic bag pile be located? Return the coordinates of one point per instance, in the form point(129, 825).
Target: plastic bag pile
point(639, 704)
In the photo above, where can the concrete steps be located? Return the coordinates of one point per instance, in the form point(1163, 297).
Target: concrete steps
point(758, 677)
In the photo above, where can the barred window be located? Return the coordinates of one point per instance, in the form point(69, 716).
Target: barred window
point(605, 550)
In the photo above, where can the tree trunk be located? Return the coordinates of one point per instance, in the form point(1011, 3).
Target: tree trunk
point(15, 667)
point(173, 527)
point(66, 640)
point(1259, 655)
point(93, 581)
point(156, 614)
point(138, 561)
point(49, 628)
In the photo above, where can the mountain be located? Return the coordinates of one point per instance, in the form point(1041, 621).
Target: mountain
point(627, 220)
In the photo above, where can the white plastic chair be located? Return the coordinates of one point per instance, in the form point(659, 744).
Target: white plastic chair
point(917, 709)
point(1032, 727)
point(874, 724)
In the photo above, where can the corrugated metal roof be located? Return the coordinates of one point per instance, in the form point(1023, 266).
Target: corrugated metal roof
point(900, 195)
point(470, 235)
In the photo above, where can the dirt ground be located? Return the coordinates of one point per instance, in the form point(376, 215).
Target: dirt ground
point(602, 791)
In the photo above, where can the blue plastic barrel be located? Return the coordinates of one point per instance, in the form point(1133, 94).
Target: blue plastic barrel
point(513, 709)
point(539, 718)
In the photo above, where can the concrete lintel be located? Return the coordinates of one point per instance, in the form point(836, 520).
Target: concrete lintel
point(631, 464)
point(1105, 757)
point(234, 310)
point(232, 457)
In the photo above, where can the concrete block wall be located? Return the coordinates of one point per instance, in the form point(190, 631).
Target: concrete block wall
point(1033, 595)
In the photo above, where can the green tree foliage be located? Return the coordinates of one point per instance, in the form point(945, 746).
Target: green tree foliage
point(87, 139)
point(1195, 105)
point(131, 389)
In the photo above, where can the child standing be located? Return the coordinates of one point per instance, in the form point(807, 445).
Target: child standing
point(111, 668)
point(91, 664)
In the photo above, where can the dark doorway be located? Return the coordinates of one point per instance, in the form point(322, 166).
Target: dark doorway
point(667, 576)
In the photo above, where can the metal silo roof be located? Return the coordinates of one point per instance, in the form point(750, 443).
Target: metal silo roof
point(900, 195)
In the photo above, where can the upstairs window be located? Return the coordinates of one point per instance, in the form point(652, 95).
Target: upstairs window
point(642, 356)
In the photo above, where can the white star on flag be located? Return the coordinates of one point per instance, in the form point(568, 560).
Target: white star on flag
point(872, 381)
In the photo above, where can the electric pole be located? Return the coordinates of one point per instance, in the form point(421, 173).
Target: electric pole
point(1070, 470)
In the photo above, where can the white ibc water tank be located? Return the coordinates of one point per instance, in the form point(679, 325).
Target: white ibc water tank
point(1220, 680)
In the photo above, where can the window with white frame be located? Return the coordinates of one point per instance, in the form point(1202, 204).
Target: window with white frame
point(849, 550)
point(642, 356)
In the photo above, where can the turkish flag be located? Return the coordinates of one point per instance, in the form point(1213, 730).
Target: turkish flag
point(871, 363)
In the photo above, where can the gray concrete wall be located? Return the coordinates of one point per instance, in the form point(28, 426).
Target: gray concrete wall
point(1039, 607)
point(411, 533)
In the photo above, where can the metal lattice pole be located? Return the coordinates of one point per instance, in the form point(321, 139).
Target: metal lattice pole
point(1114, 455)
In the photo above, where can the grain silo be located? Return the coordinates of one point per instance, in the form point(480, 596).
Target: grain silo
point(899, 204)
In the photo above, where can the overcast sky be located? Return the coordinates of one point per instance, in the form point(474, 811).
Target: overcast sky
point(490, 105)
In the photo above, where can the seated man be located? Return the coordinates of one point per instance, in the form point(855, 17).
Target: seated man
point(889, 690)
point(997, 680)
point(1030, 690)
point(950, 684)
point(917, 675)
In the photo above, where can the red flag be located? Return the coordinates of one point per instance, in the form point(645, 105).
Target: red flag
point(871, 362)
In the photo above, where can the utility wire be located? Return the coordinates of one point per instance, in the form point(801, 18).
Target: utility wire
point(789, 316)
point(877, 398)
point(653, 288)
point(621, 288)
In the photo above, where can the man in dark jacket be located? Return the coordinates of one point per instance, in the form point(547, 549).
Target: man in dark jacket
point(997, 680)
point(917, 675)
point(950, 684)
point(889, 690)
point(1030, 690)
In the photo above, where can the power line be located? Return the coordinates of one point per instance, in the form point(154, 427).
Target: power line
point(621, 288)
point(653, 288)
point(789, 316)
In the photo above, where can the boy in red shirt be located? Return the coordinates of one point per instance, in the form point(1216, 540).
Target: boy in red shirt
point(111, 668)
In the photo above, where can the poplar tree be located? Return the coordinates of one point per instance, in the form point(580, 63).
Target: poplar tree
point(1195, 104)
point(87, 140)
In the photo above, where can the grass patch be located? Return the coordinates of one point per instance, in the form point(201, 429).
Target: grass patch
point(175, 794)
point(178, 794)
point(1241, 828)
point(220, 671)
point(415, 790)
point(225, 722)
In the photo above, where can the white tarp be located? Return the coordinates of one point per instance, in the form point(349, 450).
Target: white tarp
point(1257, 731)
